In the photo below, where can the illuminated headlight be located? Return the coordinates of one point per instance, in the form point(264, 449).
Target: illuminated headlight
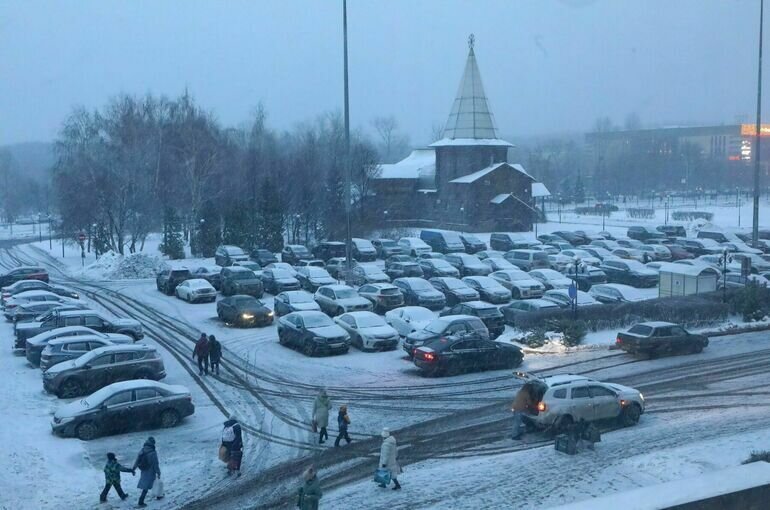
point(270, 314)
point(641, 397)
point(247, 316)
point(75, 295)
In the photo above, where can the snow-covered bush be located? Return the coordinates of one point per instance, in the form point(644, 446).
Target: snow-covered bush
point(759, 456)
point(691, 215)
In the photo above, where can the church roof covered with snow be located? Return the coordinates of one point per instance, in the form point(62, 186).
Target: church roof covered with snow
point(475, 176)
point(420, 164)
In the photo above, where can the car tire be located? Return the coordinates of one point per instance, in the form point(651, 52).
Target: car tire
point(697, 348)
point(281, 339)
point(143, 374)
point(308, 348)
point(563, 423)
point(169, 418)
point(86, 431)
point(630, 415)
point(70, 388)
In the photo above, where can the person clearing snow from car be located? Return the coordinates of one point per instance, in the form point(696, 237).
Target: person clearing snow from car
point(522, 404)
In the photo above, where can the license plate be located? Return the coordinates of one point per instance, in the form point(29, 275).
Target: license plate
point(334, 346)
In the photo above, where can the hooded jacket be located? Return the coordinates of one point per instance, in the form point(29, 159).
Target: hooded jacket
point(343, 420)
point(201, 348)
point(215, 350)
point(152, 467)
point(321, 409)
point(388, 456)
point(237, 443)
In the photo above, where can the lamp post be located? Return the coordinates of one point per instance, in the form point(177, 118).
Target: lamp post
point(738, 203)
point(724, 275)
point(40, 227)
point(50, 241)
point(90, 240)
point(558, 205)
point(575, 285)
point(198, 242)
point(462, 213)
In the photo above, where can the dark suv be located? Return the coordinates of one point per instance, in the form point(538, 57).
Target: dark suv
point(489, 315)
point(100, 367)
point(506, 241)
point(227, 254)
point(328, 250)
point(263, 257)
point(23, 273)
point(239, 280)
point(87, 318)
point(642, 233)
point(168, 279)
point(444, 327)
point(293, 253)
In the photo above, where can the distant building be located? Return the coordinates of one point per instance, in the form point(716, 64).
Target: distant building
point(463, 181)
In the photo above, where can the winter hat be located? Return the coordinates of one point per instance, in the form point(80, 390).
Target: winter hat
point(344, 409)
point(110, 456)
point(385, 432)
point(309, 473)
point(151, 440)
point(212, 338)
point(323, 392)
point(233, 417)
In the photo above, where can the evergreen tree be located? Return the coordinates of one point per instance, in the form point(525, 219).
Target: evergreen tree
point(579, 194)
point(270, 207)
point(207, 235)
point(239, 226)
point(173, 239)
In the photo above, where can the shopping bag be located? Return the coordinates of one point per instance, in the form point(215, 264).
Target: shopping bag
point(315, 426)
point(157, 489)
point(382, 476)
point(223, 455)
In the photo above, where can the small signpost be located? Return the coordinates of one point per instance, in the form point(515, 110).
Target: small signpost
point(81, 240)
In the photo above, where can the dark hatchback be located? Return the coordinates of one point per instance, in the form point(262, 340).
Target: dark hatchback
point(472, 243)
point(23, 273)
point(243, 310)
point(312, 333)
point(489, 315)
point(240, 280)
point(466, 352)
point(263, 257)
point(418, 292)
point(122, 407)
point(455, 290)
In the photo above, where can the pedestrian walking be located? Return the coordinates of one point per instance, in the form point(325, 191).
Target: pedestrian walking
point(389, 458)
point(232, 440)
point(147, 462)
point(522, 404)
point(202, 352)
point(321, 408)
point(215, 354)
point(310, 493)
point(112, 472)
point(343, 420)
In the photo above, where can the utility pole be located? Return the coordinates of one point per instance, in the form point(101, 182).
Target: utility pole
point(755, 225)
point(348, 241)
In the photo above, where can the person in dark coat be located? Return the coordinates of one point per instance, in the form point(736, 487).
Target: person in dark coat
point(232, 440)
point(215, 354)
point(310, 493)
point(112, 472)
point(202, 352)
point(522, 404)
point(147, 462)
point(343, 420)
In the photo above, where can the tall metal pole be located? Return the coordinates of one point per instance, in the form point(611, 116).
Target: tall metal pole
point(348, 241)
point(755, 226)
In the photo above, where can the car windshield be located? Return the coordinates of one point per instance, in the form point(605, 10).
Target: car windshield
point(488, 312)
point(390, 291)
point(248, 301)
point(518, 276)
point(317, 320)
point(417, 284)
point(641, 329)
point(420, 314)
point(317, 272)
point(389, 244)
point(345, 293)
point(550, 274)
point(472, 239)
point(454, 283)
point(281, 274)
point(301, 297)
point(438, 326)
point(234, 250)
point(371, 270)
point(371, 321)
point(635, 265)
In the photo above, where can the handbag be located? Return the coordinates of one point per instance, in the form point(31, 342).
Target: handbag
point(224, 456)
point(315, 426)
point(382, 476)
point(157, 489)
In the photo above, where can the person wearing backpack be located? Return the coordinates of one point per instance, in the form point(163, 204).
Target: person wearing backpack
point(215, 354)
point(232, 440)
point(112, 471)
point(343, 420)
point(147, 462)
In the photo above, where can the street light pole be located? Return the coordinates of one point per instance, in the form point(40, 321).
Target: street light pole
point(724, 276)
point(50, 241)
point(348, 236)
point(755, 224)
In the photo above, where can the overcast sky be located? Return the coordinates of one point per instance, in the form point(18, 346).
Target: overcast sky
point(549, 66)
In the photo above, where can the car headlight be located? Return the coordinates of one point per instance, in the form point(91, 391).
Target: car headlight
point(641, 397)
point(319, 340)
point(62, 421)
point(270, 314)
point(247, 316)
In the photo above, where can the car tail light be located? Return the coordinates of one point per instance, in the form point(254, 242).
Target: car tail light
point(428, 356)
point(623, 403)
point(541, 407)
point(618, 341)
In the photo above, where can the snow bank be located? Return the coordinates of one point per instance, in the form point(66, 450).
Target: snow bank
point(113, 266)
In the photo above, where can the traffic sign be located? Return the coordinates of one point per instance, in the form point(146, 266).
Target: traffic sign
point(81, 237)
point(572, 291)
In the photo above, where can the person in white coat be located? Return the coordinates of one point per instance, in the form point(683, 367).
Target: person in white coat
point(389, 458)
point(321, 408)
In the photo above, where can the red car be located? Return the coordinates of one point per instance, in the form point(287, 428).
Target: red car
point(23, 273)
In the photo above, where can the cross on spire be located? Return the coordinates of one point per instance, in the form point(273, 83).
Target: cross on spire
point(471, 40)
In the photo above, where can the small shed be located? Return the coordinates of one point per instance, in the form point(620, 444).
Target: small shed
point(684, 280)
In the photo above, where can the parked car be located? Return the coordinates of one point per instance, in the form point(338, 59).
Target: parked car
point(414, 246)
point(243, 310)
point(393, 259)
point(100, 367)
point(546, 248)
point(615, 292)
point(485, 254)
point(263, 257)
point(27, 285)
point(310, 278)
point(551, 279)
point(443, 241)
point(23, 273)
point(528, 260)
point(431, 255)
point(628, 254)
point(565, 399)
point(655, 338)
point(212, 274)
point(466, 352)
point(438, 267)
point(329, 249)
point(363, 250)
point(741, 247)
point(583, 256)
point(418, 292)
point(630, 243)
point(558, 246)
point(250, 265)
point(642, 233)
point(384, 296)
point(468, 265)
point(561, 298)
point(239, 280)
point(699, 247)
point(489, 289)
point(403, 270)
point(672, 230)
point(736, 280)
point(313, 333)
point(295, 301)
point(337, 266)
point(72, 347)
point(122, 407)
point(368, 331)
point(678, 252)
point(408, 319)
point(561, 263)
point(226, 254)
point(87, 318)
point(283, 266)
point(338, 299)
point(196, 290)
point(519, 282)
point(168, 279)
point(656, 252)
point(758, 264)
point(293, 253)
point(488, 313)
point(278, 280)
point(34, 345)
point(361, 275)
point(517, 308)
point(33, 297)
point(572, 238)
point(386, 248)
point(550, 238)
point(598, 252)
point(309, 263)
point(444, 327)
point(506, 241)
point(454, 290)
point(29, 311)
point(499, 264)
point(586, 276)
point(629, 272)
point(472, 243)
point(606, 244)
point(716, 235)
